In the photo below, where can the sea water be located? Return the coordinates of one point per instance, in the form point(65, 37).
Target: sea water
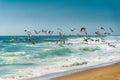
point(22, 59)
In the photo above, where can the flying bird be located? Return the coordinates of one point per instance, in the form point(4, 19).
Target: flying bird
point(61, 35)
point(59, 29)
point(28, 33)
point(50, 32)
point(98, 33)
point(36, 32)
point(111, 29)
point(44, 31)
point(72, 30)
point(83, 29)
point(107, 33)
point(102, 28)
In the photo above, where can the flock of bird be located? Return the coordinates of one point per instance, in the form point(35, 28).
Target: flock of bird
point(61, 33)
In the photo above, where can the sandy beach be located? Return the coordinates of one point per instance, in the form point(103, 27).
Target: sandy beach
point(111, 72)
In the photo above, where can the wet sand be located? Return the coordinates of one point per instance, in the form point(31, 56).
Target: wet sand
point(111, 72)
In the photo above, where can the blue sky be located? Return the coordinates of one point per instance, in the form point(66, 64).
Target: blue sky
point(18, 15)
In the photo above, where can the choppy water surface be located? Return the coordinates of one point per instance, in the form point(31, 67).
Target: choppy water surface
point(20, 60)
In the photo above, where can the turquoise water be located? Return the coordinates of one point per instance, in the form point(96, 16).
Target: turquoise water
point(20, 57)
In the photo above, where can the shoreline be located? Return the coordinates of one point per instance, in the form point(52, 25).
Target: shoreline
point(110, 72)
point(64, 74)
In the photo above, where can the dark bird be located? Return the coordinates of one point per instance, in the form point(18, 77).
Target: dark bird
point(98, 33)
point(111, 45)
point(29, 37)
point(107, 33)
point(90, 39)
point(44, 31)
point(102, 28)
point(86, 39)
point(69, 43)
point(50, 32)
point(83, 29)
point(111, 29)
point(97, 40)
point(72, 30)
point(61, 35)
point(12, 39)
point(85, 32)
point(36, 32)
point(28, 32)
point(102, 39)
point(59, 29)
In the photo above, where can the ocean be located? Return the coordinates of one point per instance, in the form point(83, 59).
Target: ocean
point(20, 59)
